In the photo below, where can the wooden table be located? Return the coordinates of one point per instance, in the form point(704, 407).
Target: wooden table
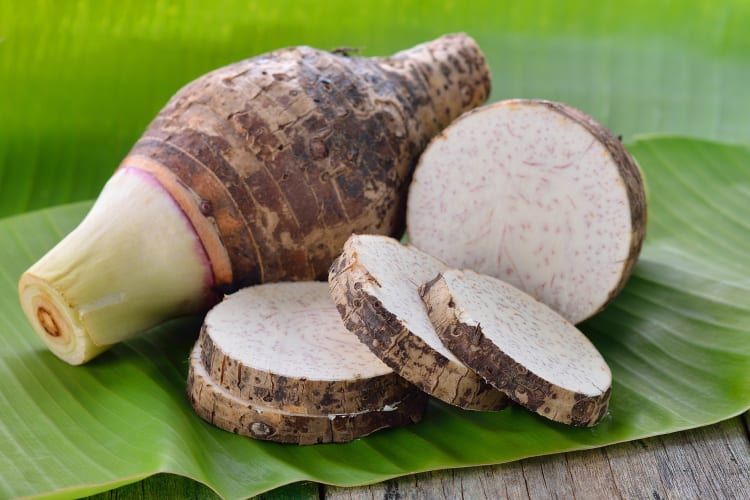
point(707, 463)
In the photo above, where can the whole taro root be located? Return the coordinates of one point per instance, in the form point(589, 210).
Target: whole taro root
point(255, 172)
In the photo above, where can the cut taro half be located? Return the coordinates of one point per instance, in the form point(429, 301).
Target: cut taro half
point(535, 193)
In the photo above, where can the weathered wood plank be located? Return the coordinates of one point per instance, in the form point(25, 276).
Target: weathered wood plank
point(710, 462)
point(715, 463)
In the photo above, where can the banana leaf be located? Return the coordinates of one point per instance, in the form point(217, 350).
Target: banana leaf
point(677, 340)
point(80, 80)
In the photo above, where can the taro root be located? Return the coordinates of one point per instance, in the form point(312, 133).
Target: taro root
point(256, 172)
point(275, 362)
point(535, 193)
point(375, 285)
point(520, 346)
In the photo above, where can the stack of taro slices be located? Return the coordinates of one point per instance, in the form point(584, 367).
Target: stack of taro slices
point(275, 362)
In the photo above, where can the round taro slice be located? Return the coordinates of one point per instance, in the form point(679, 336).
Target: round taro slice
point(283, 345)
point(519, 345)
point(375, 285)
point(535, 193)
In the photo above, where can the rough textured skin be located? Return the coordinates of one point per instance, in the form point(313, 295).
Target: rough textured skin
point(298, 395)
point(470, 345)
point(236, 415)
point(284, 155)
point(408, 355)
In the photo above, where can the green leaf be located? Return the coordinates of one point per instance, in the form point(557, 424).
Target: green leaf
point(677, 340)
point(79, 81)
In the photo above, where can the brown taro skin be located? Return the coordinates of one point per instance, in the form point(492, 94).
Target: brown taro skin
point(220, 408)
point(277, 159)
